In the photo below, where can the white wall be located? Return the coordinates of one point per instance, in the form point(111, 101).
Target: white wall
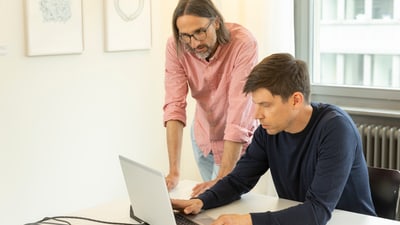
point(64, 119)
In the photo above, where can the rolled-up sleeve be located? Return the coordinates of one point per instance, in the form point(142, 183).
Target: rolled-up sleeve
point(176, 86)
point(223, 112)
point(240, 122)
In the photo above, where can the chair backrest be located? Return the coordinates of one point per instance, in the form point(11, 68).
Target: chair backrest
point(385, 185)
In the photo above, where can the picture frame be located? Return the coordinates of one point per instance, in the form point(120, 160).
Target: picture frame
point(53, 27)
point(127, 25)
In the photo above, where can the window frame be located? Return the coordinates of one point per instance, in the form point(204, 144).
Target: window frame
point(364, 101)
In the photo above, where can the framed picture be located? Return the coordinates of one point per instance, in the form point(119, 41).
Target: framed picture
point(127, 25)
point(53, 27)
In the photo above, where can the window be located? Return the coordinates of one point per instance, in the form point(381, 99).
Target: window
point(353, 52)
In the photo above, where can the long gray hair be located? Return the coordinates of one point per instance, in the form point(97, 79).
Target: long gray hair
point(200, 8)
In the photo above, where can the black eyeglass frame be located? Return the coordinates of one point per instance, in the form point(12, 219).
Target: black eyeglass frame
point(198, 35)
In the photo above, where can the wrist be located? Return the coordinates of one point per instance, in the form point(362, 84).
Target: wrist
point(174, 170)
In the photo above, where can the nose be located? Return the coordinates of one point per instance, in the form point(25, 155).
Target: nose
point(194, 43)
point(257, 112)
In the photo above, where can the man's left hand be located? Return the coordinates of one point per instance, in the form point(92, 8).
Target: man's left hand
point(202, 187)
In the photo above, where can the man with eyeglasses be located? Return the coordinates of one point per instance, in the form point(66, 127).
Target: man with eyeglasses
point(212, 59)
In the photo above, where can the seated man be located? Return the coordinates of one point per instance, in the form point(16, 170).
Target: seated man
point(313, 150)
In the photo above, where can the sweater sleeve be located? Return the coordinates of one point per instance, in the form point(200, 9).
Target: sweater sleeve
point(251, 166)
point(334, 161)
point(335, 144)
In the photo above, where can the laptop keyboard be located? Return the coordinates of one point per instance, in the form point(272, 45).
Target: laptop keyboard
point(182, 220)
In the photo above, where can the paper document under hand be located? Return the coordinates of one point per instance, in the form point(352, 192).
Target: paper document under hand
point(183, 190)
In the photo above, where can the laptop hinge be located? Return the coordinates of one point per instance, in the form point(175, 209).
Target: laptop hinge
point(132, 215)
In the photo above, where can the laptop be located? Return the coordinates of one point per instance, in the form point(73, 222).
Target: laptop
point(149, 197)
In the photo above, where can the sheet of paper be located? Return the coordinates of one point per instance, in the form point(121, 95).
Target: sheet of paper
point(183, 190)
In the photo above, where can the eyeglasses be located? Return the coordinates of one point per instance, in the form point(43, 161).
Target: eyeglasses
point(199, 35)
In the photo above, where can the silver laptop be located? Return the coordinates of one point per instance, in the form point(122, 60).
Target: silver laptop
point(149, 196)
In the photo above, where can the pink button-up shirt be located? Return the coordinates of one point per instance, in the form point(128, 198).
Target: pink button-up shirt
point(223, 112)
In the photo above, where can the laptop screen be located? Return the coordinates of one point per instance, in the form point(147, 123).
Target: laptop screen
point(147, 192)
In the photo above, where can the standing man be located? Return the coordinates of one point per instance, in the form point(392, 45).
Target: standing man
point(213, 59)
point(314, 152)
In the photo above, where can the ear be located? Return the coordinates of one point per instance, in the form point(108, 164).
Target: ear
point(217, 22)
point(298, 99)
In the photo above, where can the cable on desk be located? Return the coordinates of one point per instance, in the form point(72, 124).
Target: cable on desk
point(61, 221)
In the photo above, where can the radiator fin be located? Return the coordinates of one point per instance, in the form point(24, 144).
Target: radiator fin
point(381, 145)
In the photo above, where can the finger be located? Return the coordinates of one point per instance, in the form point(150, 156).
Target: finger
point(173, 203)
point(218, 221)
point(194, 194)
point(178, 204)
point(192, 209)
point(197, 186)
point(169, 185)
point(198, 190)
point(200, 187)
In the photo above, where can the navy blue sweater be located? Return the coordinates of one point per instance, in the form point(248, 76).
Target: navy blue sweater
point(323, 167)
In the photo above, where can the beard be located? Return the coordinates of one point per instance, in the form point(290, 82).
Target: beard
point(200, 55)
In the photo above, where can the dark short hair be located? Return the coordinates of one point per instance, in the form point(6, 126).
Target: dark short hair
point(200, 8)
point(281, 74)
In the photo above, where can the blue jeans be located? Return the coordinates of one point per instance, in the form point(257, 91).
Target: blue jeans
point(207, 167)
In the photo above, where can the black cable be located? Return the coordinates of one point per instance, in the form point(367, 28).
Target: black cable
point(65, 222)
point(59, 220)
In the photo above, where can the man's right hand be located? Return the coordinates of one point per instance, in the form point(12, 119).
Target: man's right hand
point(191, 206)
point(172, 181)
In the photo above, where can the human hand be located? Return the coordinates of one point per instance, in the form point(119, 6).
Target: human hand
point(233, 219)
point(191, 206)
point(200, 188)
point(172, 181)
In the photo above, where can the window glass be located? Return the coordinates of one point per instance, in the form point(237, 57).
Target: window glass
point(328, 63)
point(356, 43)
point(382, 9)
point(355, 9)
point(353, 69)
point(382, 70)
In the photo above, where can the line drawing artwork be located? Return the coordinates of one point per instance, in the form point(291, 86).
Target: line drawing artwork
point(127, 25)
point(56, 10)
point(131, 17)
point(53, 27)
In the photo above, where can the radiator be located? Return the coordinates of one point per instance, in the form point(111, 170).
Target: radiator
point(381, 145)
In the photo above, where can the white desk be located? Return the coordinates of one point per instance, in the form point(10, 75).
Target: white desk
point(118, 211)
